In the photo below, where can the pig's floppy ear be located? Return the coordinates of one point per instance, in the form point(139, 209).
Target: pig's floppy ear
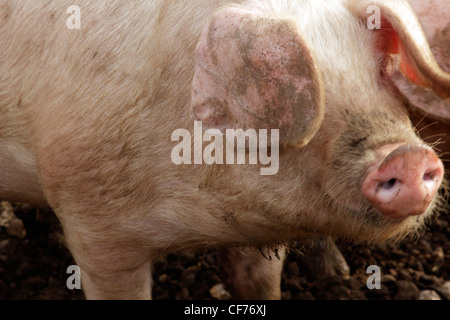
point(255, 72)
point(433, 16)
point(402, 34)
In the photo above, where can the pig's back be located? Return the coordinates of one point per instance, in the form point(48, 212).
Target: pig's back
point(102, 100)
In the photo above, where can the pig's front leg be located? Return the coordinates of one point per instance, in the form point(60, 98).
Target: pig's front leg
point(110, 270)
point(254, 274)
point(134, 284)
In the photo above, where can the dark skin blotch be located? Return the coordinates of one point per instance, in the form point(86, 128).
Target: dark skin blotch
point(211, 43)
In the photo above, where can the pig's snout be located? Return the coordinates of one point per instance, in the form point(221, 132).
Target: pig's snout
point(406, 182)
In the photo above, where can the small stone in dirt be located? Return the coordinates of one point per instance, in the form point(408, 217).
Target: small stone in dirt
point(429, 295)
point(439, 253)
point(17, 229)
point(14, 226)
point(218, 292)
point(393, 272)
point(388, 278)
point(444, 290)
point(163, 278)
point(406, 290)
point(6, 214)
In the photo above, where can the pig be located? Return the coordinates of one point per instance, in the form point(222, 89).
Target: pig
point(87, 116)
point(428, 113)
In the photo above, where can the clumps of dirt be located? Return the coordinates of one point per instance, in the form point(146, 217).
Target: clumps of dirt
point(35, 267)
point(409, 271)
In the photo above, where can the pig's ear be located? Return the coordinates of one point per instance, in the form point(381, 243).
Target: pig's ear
point(434, 18)
point(402, 34)
point(255, 72)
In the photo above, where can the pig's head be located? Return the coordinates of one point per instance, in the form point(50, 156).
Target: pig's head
point(351, 164)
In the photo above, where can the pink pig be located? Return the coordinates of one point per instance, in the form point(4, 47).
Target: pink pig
point(87, 118)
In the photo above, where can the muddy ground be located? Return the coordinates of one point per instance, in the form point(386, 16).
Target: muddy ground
point(35, 267)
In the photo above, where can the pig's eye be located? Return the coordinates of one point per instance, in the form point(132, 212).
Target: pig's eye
point(384, 78)
point(383, 70)
point(383, 66)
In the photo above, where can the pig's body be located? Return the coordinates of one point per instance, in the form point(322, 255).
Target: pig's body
point(87, 117)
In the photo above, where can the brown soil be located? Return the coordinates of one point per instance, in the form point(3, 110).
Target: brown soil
point(35, 267)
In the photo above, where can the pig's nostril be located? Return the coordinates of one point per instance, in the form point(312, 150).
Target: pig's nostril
point(388, 185)
point(429, 176)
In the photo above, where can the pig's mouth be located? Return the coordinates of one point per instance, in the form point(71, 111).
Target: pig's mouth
point(373, 226)
point(367, 212)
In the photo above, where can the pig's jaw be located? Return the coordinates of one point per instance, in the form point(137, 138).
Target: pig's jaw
point(371, 225)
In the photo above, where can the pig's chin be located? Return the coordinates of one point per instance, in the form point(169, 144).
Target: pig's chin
point(373, 226)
